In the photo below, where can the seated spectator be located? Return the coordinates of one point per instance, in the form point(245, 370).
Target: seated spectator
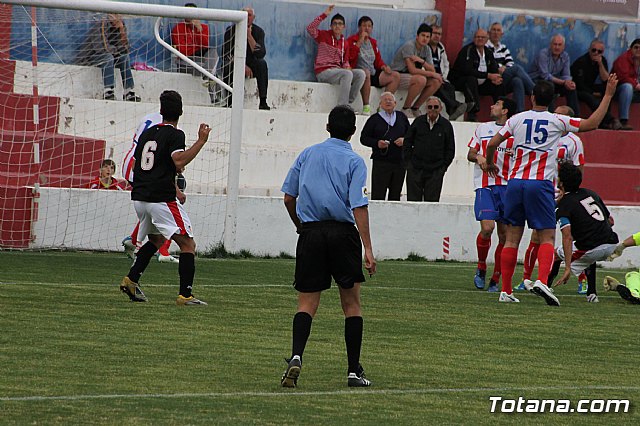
point(552, 64)
point(191, 38)
point(332, 60)
point(590, 72)
point(626, 68)
point(107, 46)
point(384, 133)
point(515, 78)
point(255, 64)
point(364, 55)
point(429, 148)
point(475, 72)
point(447, 93)
point(417, 74)
point(105, 179)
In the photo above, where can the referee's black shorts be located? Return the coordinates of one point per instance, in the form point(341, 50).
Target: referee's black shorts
point(328, 249)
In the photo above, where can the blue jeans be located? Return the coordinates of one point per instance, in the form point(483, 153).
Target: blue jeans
point(626, 95)
point(517, 80)
point(109, 63)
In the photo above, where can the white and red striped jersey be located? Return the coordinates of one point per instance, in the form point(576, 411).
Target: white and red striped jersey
point(501, 158)
point(536, 137)
point(149, 120)
point(571, 149)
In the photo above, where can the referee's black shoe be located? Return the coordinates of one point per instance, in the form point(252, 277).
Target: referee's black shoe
point(291, 374)
point(358, 379)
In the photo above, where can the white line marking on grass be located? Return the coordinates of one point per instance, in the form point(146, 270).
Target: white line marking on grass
point(318, 393)
point(368, 288)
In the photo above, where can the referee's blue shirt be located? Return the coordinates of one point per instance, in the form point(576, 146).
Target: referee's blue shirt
point(328, 180)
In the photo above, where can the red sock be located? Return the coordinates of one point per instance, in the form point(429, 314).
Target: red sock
point(134, 234)
point(582, 277)
point(164, 250)
point(483, 247)
point(530, 260)
point(508, 266)
point(497, 267)
point(545, 261)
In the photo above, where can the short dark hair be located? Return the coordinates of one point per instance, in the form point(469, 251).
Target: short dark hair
point(170, 105)
point(543, 93)
point(570, 176)
point(342, 122)
point(190, 5)
point(634, 42)
point(424, 28)
point(508, 104)
point(108, 162)
point(364, 19)
point(336, 17)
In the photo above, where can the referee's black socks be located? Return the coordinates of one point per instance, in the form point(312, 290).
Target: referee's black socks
point(143, 257)
point(301, 330)
point(353, 340)
point(186, 269)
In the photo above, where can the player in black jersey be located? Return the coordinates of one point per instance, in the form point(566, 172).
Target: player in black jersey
point(585, 223)
point(160, 154)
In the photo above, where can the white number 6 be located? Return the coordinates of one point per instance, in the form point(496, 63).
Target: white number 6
point(148, 155)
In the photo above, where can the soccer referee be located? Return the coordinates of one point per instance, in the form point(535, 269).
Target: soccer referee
point(325, 194)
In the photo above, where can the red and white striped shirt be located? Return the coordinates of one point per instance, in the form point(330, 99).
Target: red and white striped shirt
point(501, 158)
point(332, 52)
point(571, 149)
point(536, 137)
point(148, 121)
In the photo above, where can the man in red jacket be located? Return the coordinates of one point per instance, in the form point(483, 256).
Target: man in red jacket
point(364, 55)
point(626, 68)
point(191, 38)
point(332, 60)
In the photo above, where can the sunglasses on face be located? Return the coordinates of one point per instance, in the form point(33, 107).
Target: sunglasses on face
point(433, 106)
point(599, 51)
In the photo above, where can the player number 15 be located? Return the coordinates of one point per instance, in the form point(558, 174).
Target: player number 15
point(536, 131)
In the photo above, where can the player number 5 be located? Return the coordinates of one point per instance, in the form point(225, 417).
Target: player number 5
point(592, 208)
point(148, 155)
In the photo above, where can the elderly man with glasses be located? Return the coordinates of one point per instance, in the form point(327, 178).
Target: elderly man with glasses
point(590, 72)
point(429, 148)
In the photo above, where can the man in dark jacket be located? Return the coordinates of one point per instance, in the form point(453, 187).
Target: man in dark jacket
point(384, 133)
point(476, 72)
point(589, 73)
point(429, 147)
point(255, 64)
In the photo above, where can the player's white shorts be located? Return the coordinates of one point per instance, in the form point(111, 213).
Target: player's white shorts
point(165, 219)
point(581, 259)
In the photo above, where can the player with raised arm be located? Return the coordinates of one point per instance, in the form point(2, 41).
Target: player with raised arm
point(571, 149)
point(490, 190)
point(160, 154)
point(530, 191)
point(131, 242)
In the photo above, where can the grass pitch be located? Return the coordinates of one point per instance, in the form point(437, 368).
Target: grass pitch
point(74, 350)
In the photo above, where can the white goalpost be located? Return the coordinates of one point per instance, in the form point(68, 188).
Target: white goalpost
point(63, 115)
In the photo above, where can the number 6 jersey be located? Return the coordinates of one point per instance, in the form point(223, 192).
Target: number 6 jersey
point(154, 171)
point(536, 136)
point(588, 217)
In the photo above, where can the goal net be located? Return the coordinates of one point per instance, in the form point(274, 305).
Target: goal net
point(78, 82)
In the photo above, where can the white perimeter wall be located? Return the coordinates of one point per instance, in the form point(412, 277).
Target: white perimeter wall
point(100, 219)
